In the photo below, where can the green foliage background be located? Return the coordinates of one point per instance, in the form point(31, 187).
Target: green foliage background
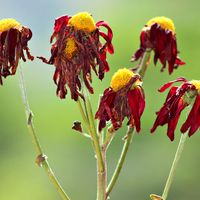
point(70, 154)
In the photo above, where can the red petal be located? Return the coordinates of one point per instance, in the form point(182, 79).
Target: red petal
point(169, 84)
point(174, 119)
point(59, 22)
point(192, 121)
point(106, 25)
point(137, 54)
point(137, 104)
point(108, 37)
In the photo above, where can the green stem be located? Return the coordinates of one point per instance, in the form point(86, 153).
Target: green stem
point(85, 120)
point(144, 63)
point(93, 131)
point(141, 70)
point(174, 166)
point(41, 159)
point(102, 179)
point(121, 160)
point(88, 120)
point(108, 139)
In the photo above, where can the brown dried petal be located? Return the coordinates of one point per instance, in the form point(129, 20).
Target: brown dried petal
point(77, 126)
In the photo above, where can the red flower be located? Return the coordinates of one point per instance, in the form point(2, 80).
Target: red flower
point(76, 50)
point(179, 98)
point(13, 42)
point(124, 98)
point(159, 35)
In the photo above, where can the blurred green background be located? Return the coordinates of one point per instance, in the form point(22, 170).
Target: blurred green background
point(70, 155)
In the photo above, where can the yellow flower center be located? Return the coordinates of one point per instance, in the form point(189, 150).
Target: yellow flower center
point(164, 22)
point(121, 78)
point(6, 24)
point(196, 83)
point(83, 21)
point(70, 48)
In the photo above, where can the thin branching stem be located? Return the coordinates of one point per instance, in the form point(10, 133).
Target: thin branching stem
point(174, 166)
point(121, 160)
point(41, 158)
point(88, 119)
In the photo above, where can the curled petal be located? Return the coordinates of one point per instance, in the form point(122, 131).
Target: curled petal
point(106, 25)
point(193, 119)
point(108, 37)
point(59, 23)
point(169, 84)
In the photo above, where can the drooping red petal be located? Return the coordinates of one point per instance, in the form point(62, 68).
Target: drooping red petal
point(144, 44)
point(164, 114)
point(137, 54)
point(106, 25)
point(56, 76)
point(105, 63)
point(179, 62)
point(106, 104)
point(169, 84)
point(174, 117)
point(193, 119)
point(108, 37)
point(195, 125)
point(137, 104)
point(109, 44)
point(59, 22)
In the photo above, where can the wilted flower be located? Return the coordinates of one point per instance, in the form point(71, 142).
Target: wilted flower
point(13, 42)
point(159, 35)
point(76, 50)
point(124, 98)
point(179, 98)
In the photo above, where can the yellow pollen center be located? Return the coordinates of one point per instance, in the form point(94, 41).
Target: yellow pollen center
point(83, 21)
point(196, 83)
point(70, 48)
point(6, 24)
point(164, 22)
point(121, 78)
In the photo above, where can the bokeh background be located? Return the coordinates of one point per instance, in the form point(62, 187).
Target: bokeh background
point(150, 156)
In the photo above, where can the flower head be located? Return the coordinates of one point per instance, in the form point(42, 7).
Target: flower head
point(178, 99)
point(159, 35)
point(14, 41)
point(77, 49)
point(124, 98)
point(83, 21)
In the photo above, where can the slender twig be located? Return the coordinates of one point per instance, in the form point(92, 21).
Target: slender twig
point(144, 63)
point(174, 166)
point(141, 70)
point(88, 119)
point(121, 160)
point(93, 130)
point(108, 139)
point(83, 115)
point(41, 158)
point(102, 178)
point(101, 162)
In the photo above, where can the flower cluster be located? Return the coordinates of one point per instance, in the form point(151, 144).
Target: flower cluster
point(13, 42)
point(76, 50)
point(124, 98)
point(159, 35)
point(78, 47)
point(178, 98)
